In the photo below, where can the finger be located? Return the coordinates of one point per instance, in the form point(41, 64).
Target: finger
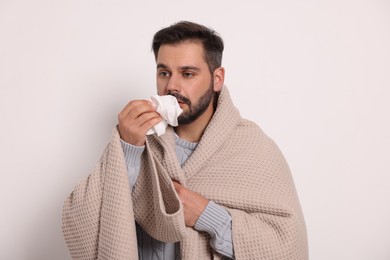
point(134, 124)
point(146, 116)
point(141, 109)
point(150, 123)
point(136, 107)
point(176, 185)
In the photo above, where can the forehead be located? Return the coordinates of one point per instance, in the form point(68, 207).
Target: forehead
point(184, 53)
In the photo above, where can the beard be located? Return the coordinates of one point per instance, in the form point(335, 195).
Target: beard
point(194, 110)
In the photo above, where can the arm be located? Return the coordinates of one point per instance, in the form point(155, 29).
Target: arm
point(217, 222)
point(267, 220)
point(259, 232)
point(136, 118)
point(93, 212)
point(81, 215)
point(204, 215)
point(86, 205)
point(132, 156)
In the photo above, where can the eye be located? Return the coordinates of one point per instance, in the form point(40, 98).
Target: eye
point(187, 74)
point(164, 74)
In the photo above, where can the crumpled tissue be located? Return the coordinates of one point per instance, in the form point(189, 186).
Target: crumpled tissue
point(169, 109)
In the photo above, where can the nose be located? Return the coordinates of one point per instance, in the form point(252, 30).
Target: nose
point(173, 84)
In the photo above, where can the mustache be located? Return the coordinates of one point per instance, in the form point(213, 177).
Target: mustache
point(180, 98)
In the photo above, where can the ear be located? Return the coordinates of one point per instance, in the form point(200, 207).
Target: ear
point(219, 78)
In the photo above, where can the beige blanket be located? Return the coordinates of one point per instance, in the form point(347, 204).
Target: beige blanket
point(235, 164)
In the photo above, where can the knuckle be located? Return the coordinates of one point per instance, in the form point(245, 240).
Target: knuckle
point(180, 190)
point(136, 110)
point(146, 102)
point(150, 123)
point(153, 122)
point(120, 116)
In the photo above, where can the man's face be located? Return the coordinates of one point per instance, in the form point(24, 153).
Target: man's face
point(183, 73)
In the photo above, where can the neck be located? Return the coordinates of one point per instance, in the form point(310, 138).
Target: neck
point(193, 132)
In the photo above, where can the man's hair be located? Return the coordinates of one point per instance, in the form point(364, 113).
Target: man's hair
point(183, 31)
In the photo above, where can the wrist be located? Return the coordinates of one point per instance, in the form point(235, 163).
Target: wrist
point(132, 153)
point(212, 219)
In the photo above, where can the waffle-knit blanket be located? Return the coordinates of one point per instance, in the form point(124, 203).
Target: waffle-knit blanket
point(235, 164)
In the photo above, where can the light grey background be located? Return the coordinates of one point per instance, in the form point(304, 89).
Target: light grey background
point(315, 75)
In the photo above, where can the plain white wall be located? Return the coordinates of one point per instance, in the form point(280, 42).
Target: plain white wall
point(315, 75)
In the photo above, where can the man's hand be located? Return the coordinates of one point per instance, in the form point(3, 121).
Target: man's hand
point(135, 120)
point(193, 203)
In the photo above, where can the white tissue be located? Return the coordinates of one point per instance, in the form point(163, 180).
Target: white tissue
point(169, 110)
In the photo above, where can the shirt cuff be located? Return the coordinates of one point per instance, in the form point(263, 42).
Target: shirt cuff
point(213, 219)
point(132, 153)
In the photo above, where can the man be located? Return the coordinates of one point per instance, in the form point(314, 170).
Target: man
point(213, 187)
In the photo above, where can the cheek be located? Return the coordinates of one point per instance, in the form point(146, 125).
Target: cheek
point(161, 87)
point(198, 88)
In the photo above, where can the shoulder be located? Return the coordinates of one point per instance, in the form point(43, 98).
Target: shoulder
point(250, 135)
point(249, 129)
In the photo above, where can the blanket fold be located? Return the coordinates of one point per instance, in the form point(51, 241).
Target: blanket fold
point(157, 207)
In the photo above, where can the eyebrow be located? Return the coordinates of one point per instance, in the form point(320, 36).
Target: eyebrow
point(163, 66)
